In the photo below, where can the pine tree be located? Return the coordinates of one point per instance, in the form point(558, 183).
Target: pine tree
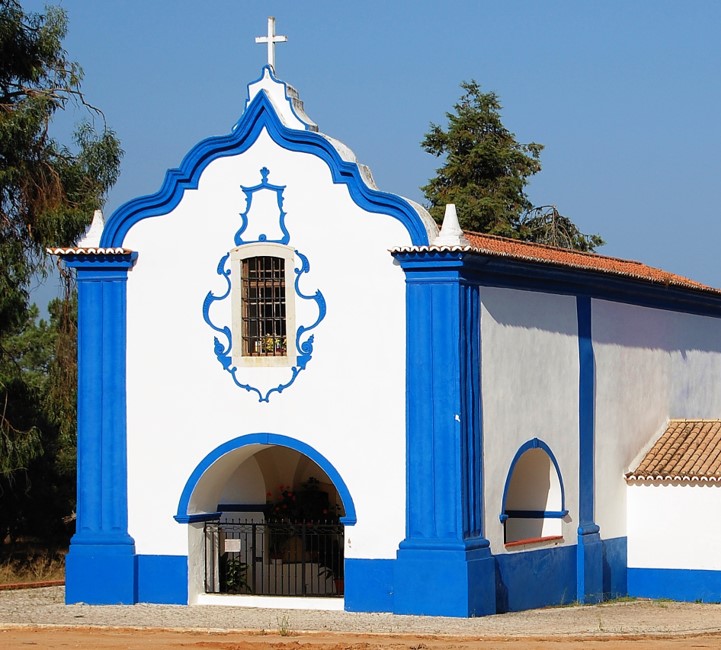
point(485, 173)
point(48, 192)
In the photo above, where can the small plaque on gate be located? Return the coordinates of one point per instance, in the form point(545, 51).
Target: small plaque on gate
point(232, 546)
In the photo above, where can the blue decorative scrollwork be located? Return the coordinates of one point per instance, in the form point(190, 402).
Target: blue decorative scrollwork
point(223, 343)
point(221, 351)
point(305, 347)
point(249, 192)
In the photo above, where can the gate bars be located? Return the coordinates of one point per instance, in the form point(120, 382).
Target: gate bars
point(275, 558)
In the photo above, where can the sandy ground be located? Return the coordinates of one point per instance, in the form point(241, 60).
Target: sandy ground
point(145, 639)
point(38, 618)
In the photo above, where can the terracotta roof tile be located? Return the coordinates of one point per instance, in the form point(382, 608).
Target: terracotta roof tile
point(500, 246)
point(687, 450)
point(80, 250)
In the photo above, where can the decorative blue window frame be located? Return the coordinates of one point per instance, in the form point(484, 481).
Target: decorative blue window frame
point(260, 116)
point(535, 443)
point(227, 343)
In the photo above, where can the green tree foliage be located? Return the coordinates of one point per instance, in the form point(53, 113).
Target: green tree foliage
point(485, 173)
point(48, 192)
point(37, 497)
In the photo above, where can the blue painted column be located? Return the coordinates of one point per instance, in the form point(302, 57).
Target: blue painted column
point(444, 566)
point(589, 552)
point(101, 563)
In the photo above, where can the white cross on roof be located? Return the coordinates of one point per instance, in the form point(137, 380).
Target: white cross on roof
point(271, 39)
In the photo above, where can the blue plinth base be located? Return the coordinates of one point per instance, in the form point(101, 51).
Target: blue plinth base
point(433, 582)
point(100, 575)
point(589, 568)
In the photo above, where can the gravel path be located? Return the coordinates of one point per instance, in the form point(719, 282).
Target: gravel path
point(41, 607)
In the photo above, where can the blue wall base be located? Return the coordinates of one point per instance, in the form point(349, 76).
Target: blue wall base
point(678, 584)
point(369, 585)
point(114, 575)
point(456, 583)
point(589, 568)
point(444, 583)
point(100, 575)
point(615, 556)
point(530, 579)
point(162, 579)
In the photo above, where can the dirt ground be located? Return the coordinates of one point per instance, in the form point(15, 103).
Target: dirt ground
point(145, 639)
point(39, 618)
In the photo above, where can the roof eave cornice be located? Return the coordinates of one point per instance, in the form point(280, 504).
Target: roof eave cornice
point(493, 268)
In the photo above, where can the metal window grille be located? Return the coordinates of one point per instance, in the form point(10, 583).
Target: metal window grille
point(263, 297)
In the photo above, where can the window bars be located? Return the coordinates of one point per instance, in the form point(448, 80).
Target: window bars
point(263, 299)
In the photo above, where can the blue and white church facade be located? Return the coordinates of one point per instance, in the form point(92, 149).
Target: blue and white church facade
point(470, 405)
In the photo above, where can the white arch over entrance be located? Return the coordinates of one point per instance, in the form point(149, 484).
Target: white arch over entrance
point(203, 491)
point(203, 488)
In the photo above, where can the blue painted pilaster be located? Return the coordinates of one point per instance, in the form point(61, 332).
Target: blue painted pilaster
point(589, 554)
point(444, 565)
point(101, 566)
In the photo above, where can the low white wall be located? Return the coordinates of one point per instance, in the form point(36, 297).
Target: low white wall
point(674, 526)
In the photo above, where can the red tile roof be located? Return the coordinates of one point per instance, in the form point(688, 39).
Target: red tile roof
point(502, 247)
point(687, 450)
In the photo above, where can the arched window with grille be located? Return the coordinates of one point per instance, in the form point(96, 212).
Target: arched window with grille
point(263, 305)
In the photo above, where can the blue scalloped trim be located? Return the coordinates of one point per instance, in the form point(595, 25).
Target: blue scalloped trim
point(258, 116)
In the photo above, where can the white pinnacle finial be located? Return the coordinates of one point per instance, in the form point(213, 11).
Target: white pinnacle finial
point(451, 233)
point(91, 238)
point(271, 39)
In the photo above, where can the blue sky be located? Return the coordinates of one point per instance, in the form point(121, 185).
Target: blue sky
point(624, 95)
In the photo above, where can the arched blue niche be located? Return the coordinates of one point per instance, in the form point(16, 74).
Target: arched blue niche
point(258, 439)
point(532, 513)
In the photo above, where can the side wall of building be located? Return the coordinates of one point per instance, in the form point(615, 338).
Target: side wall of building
point(530, 390)
point(651, 365)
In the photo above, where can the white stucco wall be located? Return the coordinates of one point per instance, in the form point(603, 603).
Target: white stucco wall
point(674, 526)
point(349, 404)
point(651, 365)
point(529, 377)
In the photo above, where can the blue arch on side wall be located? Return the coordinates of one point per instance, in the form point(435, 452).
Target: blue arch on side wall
point(535, 443)
point(260, 114)
point(267, 439)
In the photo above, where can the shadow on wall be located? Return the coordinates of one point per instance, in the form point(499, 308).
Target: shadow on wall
point(546, 577)
point(613, 323)
point(533, 579)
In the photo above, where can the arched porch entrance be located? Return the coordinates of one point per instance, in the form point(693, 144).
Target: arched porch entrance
point(266, 517)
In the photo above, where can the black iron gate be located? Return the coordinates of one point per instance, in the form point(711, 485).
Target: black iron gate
point(281, 558)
